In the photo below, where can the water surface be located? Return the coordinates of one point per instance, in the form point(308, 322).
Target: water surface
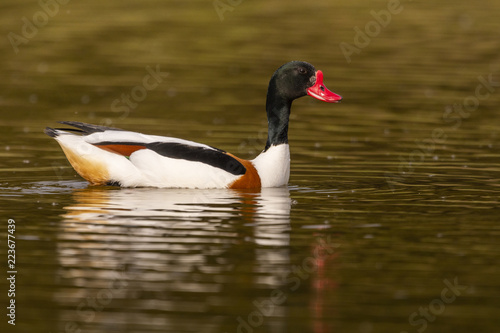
point(389, 222)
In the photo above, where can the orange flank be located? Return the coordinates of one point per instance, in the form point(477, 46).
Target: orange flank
point(94, 171)
point(250, 179)
point(125, 150)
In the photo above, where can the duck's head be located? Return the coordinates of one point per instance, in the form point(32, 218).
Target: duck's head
point(298, 78)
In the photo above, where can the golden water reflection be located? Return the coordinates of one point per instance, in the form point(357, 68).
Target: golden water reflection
point(150, 257)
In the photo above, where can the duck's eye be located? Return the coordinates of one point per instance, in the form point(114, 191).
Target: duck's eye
point(302, 70)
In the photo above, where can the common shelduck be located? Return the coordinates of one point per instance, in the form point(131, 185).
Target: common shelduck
point(111, 156)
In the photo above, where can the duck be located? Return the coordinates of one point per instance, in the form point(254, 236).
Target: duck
point(111, 156)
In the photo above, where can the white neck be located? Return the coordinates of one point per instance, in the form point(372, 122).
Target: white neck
point(273, 165)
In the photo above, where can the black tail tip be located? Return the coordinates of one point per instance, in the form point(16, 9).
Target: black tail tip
point(50, 132)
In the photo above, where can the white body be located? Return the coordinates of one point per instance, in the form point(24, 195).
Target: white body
point(273, 166)
point(147, 168)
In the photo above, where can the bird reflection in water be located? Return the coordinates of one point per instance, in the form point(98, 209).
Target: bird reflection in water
point(206, 254)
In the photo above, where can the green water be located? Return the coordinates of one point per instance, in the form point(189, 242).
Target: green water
point(390, 222)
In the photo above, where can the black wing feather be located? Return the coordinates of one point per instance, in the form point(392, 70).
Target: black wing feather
point(211, 156)
point(88, 128)
point(214, 157)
